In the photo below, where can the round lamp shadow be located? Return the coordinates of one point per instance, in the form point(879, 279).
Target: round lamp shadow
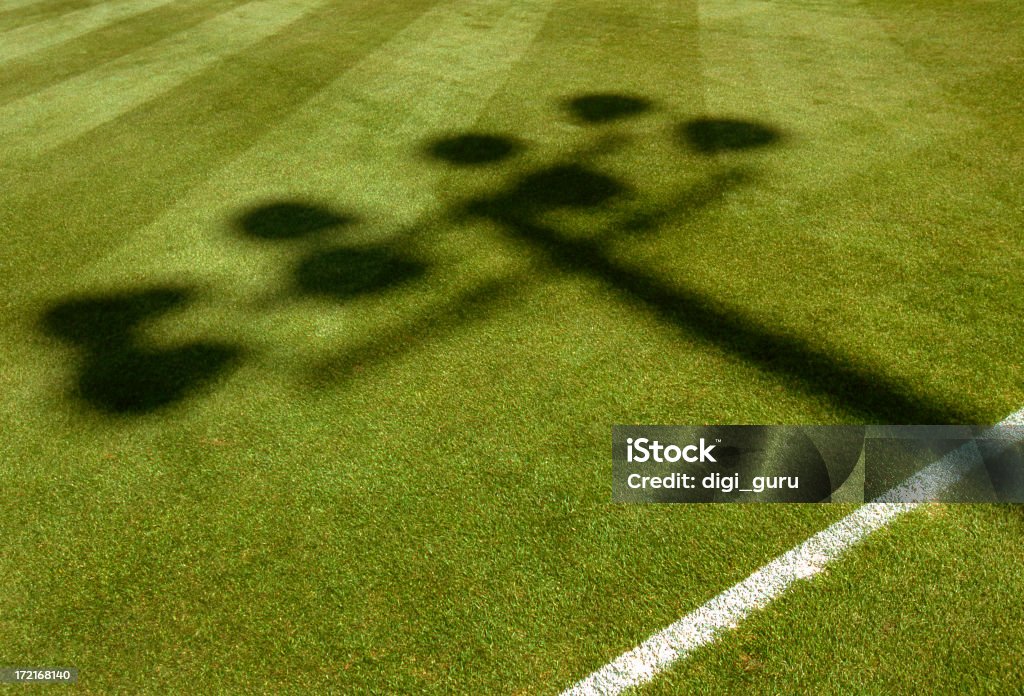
point(343, 273)
point(567, 186)
point(604, 108)
point(712, 135)
point(473, 149)
point(288, 220)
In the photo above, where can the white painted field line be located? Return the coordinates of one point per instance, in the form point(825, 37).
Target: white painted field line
point(705, 624)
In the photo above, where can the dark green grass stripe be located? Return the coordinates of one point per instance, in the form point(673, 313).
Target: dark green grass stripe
point(29, 74)
point(41, 35)
point(40, 122)
point(65, 209)
point(39, 11)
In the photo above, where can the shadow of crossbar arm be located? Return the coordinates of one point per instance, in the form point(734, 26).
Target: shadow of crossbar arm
point(856, 389)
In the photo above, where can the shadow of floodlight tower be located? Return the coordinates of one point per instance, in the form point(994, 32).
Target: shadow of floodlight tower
point(575, 183)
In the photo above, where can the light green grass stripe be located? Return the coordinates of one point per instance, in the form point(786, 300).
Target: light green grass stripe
point(53, 116)
point(8, 5)
point(34, 37)
point(354, 145)
point(43, 69)
point(886, 110)
point(884, 101)
point(365, 130)
point(69, 208)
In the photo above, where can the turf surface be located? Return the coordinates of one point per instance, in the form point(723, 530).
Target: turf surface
point(317, 315)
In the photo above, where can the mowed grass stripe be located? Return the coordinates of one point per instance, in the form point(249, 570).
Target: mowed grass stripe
point(35, 37)
point(15, 4)
point(50, 117)
point(41, 69)
point(17, 13)
point(436, 76)
point(371, 120)
point(384, 536)
point(905, 156)
point(356, 143)
point(886, 113)
point(65, 209)
point(9, 5)
point(749, 52)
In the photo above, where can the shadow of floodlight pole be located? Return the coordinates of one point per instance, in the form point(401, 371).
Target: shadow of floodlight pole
point(866, 393)
point(574, 182)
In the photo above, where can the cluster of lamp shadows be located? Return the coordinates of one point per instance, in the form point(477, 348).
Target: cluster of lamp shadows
point(121, 373)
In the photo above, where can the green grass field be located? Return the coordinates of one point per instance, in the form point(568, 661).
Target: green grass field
point(317, 315)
